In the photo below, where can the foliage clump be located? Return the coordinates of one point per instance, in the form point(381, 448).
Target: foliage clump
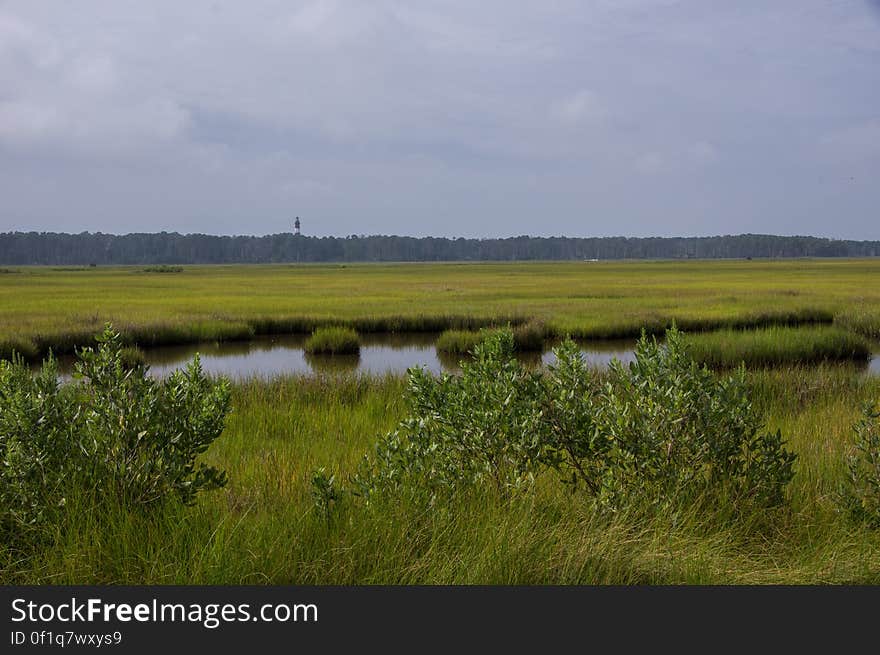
point(480, 426)
point(662, 429)
point(333, 341)
point(114, 434)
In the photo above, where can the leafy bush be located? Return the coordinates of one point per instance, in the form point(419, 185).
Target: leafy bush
point(114, 433)
point(333, 341)
point(480, 426)
point(325, 493)
point(861, 491)
point(662, 429)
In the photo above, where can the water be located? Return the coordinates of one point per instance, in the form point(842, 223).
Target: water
point(380, 354)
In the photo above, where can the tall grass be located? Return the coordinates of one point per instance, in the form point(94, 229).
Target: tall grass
point(777, 346)
point(49, 308)
point(333, 341)
point(528, 337)
point(860, 319)
point(261, 529)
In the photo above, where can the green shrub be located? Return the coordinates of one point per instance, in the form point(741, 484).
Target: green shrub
point(482, 426)
point(163, 268)
point(661, 430)
point(861, 492)
point(333, 341)
point(113, 433)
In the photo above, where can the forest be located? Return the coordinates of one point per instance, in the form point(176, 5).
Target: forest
point(96, 248)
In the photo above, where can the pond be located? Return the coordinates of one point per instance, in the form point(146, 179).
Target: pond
point(380, 354)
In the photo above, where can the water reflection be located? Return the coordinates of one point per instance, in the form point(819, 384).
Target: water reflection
point(380, 354)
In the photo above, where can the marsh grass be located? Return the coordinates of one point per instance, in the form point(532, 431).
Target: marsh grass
point(862, 320)
point(630, 328)
point(132, 356)
point(528, 337)
point(51, 309)
point(777, 346)
point(333, 341)
point(261, 529)
point(459, 342)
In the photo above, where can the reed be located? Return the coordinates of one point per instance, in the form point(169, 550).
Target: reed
point(333, 341)
point(777, 346)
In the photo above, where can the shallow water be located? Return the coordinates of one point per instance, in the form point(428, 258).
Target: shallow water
point(380, 354)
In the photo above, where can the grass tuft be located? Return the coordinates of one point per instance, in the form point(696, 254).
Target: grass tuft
point(333, 341)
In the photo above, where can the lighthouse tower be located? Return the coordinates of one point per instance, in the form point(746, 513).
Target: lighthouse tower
point(296, 226)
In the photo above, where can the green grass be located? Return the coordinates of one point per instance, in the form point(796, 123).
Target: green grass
point(50, 308)
point(861, 319)
point(529, 337)
point(261, 529)
point(333, 341)
point(777, 346)
point(459, 342)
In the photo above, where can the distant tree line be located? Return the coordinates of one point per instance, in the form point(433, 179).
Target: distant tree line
point(50, 248)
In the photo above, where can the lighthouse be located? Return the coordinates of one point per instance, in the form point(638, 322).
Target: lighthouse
point(296, 226)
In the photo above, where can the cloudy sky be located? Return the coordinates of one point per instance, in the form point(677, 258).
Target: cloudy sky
point(441, 117)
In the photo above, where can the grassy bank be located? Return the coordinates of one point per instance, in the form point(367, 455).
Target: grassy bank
point(44, 307)
point(262, 528)
point(778, 346)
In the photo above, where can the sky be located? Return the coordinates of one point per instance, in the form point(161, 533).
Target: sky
point(444, 118)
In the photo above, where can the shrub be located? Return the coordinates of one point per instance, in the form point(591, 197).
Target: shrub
point(333, 341)
point(325, 493)
point(482, 426)
point(861, 491)
point(162, 268)
point(114, 433)
point(661, 430)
